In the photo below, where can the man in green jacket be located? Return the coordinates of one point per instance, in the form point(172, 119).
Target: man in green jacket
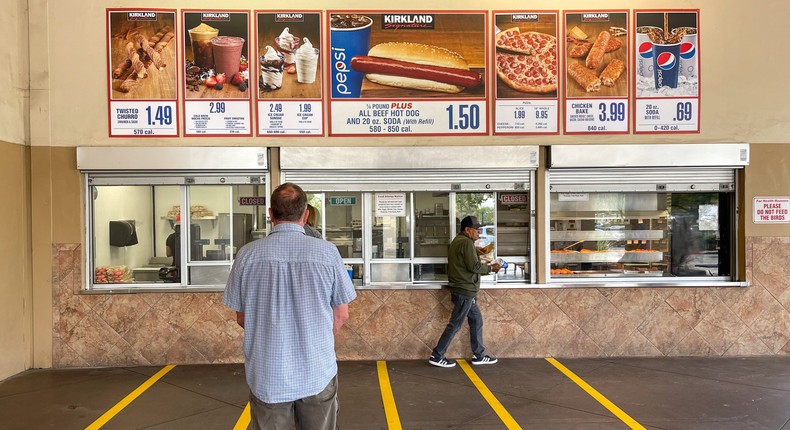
point(464, 269)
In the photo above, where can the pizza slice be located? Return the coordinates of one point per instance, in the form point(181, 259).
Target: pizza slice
point(512, 40)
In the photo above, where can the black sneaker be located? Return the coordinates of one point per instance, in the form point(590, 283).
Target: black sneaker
point(441, 361)
point(486, 359)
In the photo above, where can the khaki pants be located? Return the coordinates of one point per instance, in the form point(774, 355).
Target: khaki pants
point(317, 412)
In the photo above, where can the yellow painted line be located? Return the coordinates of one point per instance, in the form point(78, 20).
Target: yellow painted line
point(244, 419)
point(500, 410)
point(390, 410)
point(624, 417)
point(102, 420)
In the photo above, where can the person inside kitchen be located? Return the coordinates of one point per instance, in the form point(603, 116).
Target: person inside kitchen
point(173, 243)
point(310, 226)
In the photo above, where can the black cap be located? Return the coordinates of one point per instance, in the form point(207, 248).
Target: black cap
point(470, 221)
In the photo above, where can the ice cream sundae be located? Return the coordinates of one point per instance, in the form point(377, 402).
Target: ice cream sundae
point(271, 70)
point(287, 44)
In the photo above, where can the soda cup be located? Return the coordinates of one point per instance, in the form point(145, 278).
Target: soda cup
point(644, 63)
point(349, 36)
point(501, 262)
point(666, 65)
point(688, 54)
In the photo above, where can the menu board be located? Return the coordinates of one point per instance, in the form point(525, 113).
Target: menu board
point(667, 73)
point(141, 72)
point(217, 98)
point(289, 73)
point(407, 73)
point(596, 72)
point(526, 65)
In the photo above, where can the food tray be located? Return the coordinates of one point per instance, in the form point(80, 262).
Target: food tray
point(569, 235)
point(609, 274)
point(607, 257)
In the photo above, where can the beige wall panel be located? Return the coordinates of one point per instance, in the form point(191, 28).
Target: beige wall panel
point(41, 214)
point(14, 72)
point(741, 101)
point(16, 285)
point(66, 191)
point(768, 175)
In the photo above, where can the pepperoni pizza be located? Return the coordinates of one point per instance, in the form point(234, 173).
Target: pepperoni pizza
point(531, 64)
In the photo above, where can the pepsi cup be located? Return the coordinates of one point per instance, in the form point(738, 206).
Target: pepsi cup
point(688, 56)
point(644, 47)
point(349, 36)
point(666, 65)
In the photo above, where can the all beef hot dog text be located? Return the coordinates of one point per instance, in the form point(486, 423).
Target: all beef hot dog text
point(417, 66)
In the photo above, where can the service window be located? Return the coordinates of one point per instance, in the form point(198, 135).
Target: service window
point(339, 219)
point(505, 231)
point(139, 234)
point(432, 235)
point(391, 237)
point(641, 235)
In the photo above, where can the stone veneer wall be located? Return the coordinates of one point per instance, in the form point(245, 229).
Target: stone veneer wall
point(180, 328)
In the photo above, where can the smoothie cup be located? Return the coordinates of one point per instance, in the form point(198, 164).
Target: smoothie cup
point(227, 54)
point(200, 39)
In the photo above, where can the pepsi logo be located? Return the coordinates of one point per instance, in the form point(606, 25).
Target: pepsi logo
point(666, 60)
point(687, 50)
point(646, 50)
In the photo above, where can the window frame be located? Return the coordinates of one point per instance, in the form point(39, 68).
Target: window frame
point(183, 180)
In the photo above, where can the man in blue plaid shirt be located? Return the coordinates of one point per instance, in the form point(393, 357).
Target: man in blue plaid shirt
point(290, 292)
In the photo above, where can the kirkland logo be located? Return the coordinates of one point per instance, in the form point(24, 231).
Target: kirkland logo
point(595, 17)
point(289, 17)
point(524, 17)
point(141, 16)
point(414, 22)
point(215, 16)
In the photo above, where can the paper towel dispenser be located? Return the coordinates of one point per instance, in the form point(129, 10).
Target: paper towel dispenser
point(123, 233)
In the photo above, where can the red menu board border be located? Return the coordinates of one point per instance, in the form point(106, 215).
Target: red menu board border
point(183, 72)
point(327, 65)
point(321, 99)
point(565, 98)
point(110, 67)
point(493, 74)
point(699, 71)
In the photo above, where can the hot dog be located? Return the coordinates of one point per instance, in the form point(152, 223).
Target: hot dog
point(418, 66)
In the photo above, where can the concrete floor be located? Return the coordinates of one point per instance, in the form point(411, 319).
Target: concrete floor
point(652, 393)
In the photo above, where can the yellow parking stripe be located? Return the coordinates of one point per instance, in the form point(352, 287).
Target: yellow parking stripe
point(244, 419)
point(390, 410)
point(102, 420)
point(624, 417)
point(500, 410)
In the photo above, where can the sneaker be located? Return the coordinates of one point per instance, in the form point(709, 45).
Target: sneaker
point(441, 361)
point(486, 359)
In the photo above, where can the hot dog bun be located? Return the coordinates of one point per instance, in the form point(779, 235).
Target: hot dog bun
point(417, 53)
point(421, 54)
